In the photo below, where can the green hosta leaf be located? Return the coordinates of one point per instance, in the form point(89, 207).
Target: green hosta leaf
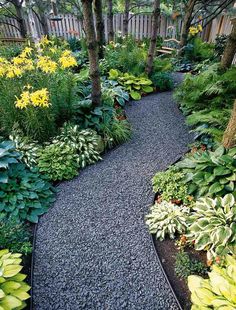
point(230, 186)
point(202, 241)
point(147, 89)
point(219, 171)
point(113, 74)
point(215, 188)
point(135, 95)
point(219, 151)
point(10, 302)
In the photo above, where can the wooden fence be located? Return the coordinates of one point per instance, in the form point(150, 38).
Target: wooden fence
point(139, 26)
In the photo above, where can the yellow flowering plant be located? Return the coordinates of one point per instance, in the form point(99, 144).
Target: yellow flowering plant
point(46, 67)
point(193, 31)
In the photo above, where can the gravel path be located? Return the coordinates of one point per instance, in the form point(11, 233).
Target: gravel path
point(93, 250)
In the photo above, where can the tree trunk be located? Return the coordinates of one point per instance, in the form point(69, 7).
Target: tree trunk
point(110, 21)
point(186, 24)
point(99, 26)
point(20, 18)
point(126, 17)
point(229, 138)
point(92, 51)
point(230, 48)
point(153, 42)
point(43, 21)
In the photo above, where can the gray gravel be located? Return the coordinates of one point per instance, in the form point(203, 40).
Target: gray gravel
point(93, 250)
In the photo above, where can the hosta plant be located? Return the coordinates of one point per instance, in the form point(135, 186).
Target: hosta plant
point(219, 291)
point(166, 219)
point(58, 162)
point(210, 173)
point(83, 142)
point(136, 86)
point(26, 195)
point(170, 185)
point(8, 156)
point(13, 289)
point(115, 92)
point(212, 225)
point(25, 146)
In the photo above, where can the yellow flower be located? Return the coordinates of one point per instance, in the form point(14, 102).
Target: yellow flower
point(44, 41)
point(67, 60)
point(46, 64)
point(53, 50)
point(24, 100)
point(199, 28)
point(26, 52)
point(39, 98)
point(13, 71)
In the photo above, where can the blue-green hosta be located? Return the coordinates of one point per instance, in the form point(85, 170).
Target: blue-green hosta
point(210, 173)
point(212, 225)
point(8, 156)
point(219, 291)
point(166, 219)
point(13, 289)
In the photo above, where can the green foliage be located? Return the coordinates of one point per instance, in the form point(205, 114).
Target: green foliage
point(220, 43)
point(166, 219)
point(210, 173)
point(112, 92)
point(126, 57)
point(162, 81)
point(10, 50)
point(161, 64)
point(186, 266)
point(170, 185)
point(25, 146)
point(26, 195)
point(8, 156)
point(208, 90)
point(210, 122)
point(119, 132)
point(58, 162)
point(212, 225)
point(136, 86)
point(15, 236)
point(13, 289)
point(198, 50)
point(83, 142)
point(217, 292)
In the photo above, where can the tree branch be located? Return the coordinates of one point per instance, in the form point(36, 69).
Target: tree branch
point(9, 24)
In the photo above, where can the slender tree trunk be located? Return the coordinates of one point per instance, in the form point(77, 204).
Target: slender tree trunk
point(92, 51)
point(186, 23)
point(110, 21)
point(126, 17)
point(153, 42)
point(230, 48)
point(99, 26)
point(20, 18)
point(229, 138)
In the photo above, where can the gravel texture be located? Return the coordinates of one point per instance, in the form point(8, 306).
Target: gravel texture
point(93, 250)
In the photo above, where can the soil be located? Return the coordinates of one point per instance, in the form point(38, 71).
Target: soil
point(167, 251)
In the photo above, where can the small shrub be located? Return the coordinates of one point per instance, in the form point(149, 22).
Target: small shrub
point(12, 287)
point(186, 266)
point(58, 162)
point(170, 185)
point(162, 81)
point(118, 132)
point(15, 236)
point(166, 219)
point(217, 292)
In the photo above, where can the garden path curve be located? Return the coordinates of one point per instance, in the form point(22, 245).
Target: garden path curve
point(93, 250)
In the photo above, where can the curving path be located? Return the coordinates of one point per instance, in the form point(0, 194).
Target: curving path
point(93, 250)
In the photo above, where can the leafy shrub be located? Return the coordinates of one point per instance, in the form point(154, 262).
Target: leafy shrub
point(220, 43)
point(112, 92)
point(83, 142)
point(166, 219)
point(15, 236)
point(170, 185)
point(210, 173)
point(217, 292)
point(162, 80)
point(212, 225)
point(208, 90)
point(198, 50)
point(186, 266)
point(58, 162)
point(26, 195)
point(13, 289)
point(162, 65)
point(25, 146)
point(210, 122)
point(136, 86)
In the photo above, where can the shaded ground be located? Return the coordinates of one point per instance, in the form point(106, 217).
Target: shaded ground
point(93, 250)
